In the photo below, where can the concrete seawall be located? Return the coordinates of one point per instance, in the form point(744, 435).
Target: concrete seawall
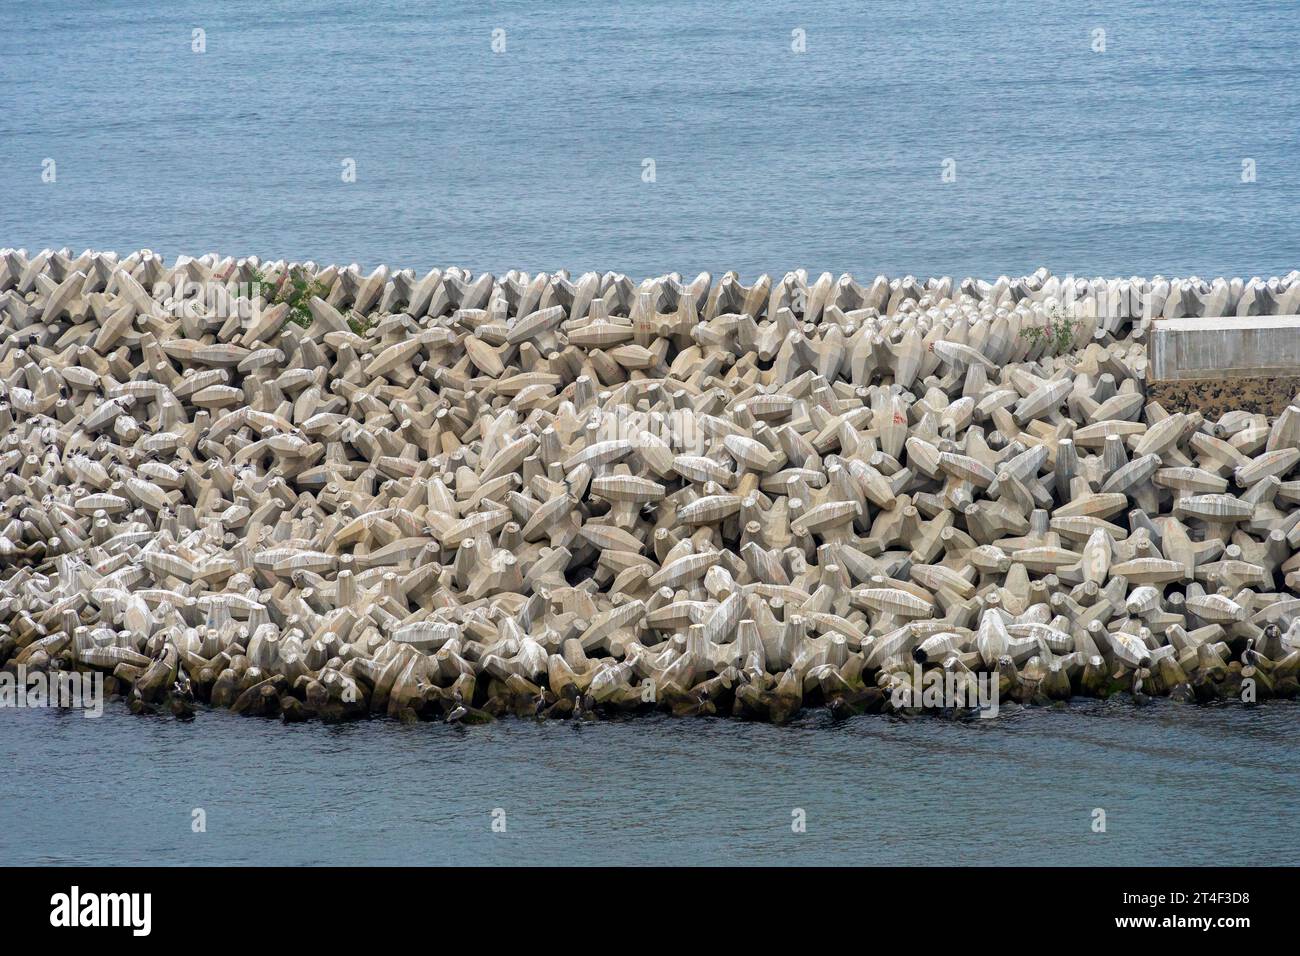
point(1258, 347)
point(1215, 364)
point(308, 491)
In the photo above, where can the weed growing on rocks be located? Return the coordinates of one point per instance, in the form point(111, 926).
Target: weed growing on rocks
point(294, 288)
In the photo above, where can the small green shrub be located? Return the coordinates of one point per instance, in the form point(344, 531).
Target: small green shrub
point(294, 289)
point(1058, 333)
point(359, 325)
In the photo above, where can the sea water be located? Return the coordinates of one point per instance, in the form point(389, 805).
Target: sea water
point(1094, 139)
point(1093, 783)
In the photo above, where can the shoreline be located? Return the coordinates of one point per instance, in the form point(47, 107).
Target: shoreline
point(305, 492)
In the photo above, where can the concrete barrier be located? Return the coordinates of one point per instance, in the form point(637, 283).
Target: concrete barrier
point(305, 491)
point(1252, 347)
point(1213, 365)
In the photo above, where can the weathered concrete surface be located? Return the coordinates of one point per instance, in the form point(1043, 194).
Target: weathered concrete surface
point(1212, 397)
point(1251, 347)
point(1215, 365)
point(306, 491)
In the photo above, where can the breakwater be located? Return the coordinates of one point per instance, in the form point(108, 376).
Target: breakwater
point(312, 491)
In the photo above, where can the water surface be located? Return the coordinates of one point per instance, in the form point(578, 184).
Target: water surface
point(1122, 162)
point(1178, 784)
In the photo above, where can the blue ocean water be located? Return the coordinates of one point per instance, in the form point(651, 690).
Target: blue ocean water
point(1178, 784)
point(1127, 161)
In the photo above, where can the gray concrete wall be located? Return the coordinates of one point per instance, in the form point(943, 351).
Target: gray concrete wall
point(1253, 347)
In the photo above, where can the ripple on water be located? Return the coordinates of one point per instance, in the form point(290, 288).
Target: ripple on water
point(1172, 780)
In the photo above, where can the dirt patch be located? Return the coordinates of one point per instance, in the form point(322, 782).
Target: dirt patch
point(1212, 397)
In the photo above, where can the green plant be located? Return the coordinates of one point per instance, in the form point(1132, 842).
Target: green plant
point(1059, 331)
point(359, 325)
point(294, 289)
